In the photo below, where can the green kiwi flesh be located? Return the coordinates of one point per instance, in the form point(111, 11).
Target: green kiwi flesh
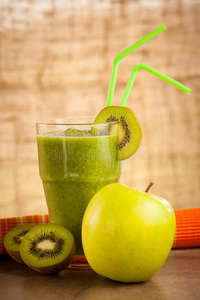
point(129, 131)
point(13, 239)
point(48, 248)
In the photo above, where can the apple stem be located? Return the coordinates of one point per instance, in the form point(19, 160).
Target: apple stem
point(149, 186)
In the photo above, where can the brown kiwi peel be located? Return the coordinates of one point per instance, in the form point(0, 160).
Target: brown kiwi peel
point(15, 256)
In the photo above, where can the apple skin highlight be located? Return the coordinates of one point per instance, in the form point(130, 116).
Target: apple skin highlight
point(127, 235)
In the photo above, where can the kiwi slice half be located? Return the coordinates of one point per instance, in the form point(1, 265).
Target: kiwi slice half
point(48, 248)
point(13, 239)
point(129, 131)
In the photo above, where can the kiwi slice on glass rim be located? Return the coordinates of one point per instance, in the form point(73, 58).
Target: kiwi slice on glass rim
point(48, 248)
point(129, 131)
point(13, 239)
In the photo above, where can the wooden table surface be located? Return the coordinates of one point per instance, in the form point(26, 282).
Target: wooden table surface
point(178, 279)
point(56, 61)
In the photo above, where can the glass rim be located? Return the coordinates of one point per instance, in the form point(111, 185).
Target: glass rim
point(81, 121)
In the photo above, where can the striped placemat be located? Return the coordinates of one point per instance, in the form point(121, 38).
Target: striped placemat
point(187, 227)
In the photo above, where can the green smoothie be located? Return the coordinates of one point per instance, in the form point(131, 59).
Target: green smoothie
point(73, 168)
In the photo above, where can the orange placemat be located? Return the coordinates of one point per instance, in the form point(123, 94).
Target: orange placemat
point(187, 227)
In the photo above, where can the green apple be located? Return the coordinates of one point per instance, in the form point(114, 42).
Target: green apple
point(127, 234)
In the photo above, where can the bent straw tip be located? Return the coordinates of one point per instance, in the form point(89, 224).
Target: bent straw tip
point(188, 91)
point(163, 27)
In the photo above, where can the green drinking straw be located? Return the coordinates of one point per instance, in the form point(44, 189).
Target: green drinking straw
point(154, 72)
point(123, 54)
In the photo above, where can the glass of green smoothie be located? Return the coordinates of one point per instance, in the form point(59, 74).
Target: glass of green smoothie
point(76, 159)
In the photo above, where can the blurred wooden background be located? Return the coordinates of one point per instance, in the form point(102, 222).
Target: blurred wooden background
point(56, 60)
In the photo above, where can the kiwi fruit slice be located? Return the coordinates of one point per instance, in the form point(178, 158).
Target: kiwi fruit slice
point(129, 131)
point(48, 248)
point(13, 239)
point(100, 129)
